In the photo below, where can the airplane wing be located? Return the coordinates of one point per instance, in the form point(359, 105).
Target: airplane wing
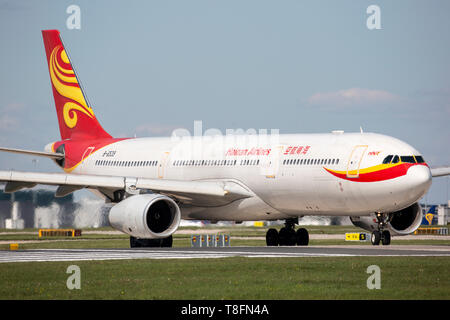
point(440, 171)
point(201, 192)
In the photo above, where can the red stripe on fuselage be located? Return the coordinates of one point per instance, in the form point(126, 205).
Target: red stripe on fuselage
point(378, 175)
point(75, 150)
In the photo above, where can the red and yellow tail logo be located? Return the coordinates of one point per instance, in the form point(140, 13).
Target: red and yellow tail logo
point(65, 82)
point(75, 116)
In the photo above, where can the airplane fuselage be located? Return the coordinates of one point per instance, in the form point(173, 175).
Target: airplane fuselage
point(289, 174)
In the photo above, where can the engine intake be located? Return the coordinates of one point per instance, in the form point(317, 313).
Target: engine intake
point(406, 221)
point(146, 216)
point(401, 222)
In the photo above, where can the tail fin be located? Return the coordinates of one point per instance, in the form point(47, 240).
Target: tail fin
point(75, 116)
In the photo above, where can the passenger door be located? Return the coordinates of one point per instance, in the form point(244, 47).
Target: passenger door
point(355, 160)
point(271, 164)
point(162, 164)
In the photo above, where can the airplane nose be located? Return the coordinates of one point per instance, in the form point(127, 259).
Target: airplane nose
point(419, 177)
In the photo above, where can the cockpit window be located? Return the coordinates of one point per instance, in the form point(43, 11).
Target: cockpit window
point(405, 159)
point(388, 159)
point(419, 159)
point(408, 159)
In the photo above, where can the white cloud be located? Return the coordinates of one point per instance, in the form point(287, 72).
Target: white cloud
point(353, 97)
point(7, 122)
point(9, 116)
point(13, 107)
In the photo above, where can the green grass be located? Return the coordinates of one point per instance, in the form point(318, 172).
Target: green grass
point(231, 278)
point(228, 278)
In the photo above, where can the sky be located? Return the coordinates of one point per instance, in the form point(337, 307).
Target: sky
point(149, 67)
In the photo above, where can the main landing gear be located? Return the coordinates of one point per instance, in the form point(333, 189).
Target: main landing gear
point(287, 235)
point(380, 235)
point(151, 243)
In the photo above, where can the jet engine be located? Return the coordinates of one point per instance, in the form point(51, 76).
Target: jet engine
point(146, 216)
point(401, 222)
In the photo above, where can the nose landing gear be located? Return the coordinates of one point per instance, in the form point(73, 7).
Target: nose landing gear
point(287, 235)
point(380, 235)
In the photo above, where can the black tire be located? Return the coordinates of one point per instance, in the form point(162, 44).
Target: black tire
point(292, 237)
point(143, 243)
point(167, 242)
point(302, 237)
point(287, 237)
point(283, 237)
point(375, 238)
point(272, 239)
point(153, 243)
point(134, 243)
point(386, 238)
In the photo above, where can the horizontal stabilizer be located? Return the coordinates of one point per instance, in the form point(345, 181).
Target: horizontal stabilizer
point(53, 155)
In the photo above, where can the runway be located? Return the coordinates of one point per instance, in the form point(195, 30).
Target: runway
point(41, 255)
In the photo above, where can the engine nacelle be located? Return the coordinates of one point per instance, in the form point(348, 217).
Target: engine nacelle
point(401, 222)
point(146, 216)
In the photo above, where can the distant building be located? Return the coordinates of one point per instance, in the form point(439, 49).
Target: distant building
point(41, 209)
point(436, 214)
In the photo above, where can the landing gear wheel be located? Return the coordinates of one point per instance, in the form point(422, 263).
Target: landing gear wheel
point(381, 234)
point(151, 243)
point(167, 242)
point(386, 238)
point(272, 239)
point(302, 237)
point(134, 243)
point(375, 238)
point(287, 237)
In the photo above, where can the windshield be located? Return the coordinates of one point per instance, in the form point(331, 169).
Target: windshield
point(419, 159)
point(404, 159)
point(408, 159)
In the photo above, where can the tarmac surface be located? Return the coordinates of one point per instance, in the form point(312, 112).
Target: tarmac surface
point(37, 255)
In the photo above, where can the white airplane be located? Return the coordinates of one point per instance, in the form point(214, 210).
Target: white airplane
point(374, 179)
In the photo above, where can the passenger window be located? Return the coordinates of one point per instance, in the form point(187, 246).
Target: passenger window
point(395, 160)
